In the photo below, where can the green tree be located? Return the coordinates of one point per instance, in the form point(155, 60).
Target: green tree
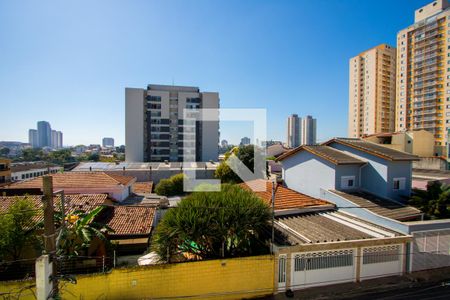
point(79, 232)
point(171, 186)
point(18, 229)
point(4, 151)
point(61, 156)
point(434, 202)
point(94, 157)
point(246, 154)
point(206, 225)
point(34, 154)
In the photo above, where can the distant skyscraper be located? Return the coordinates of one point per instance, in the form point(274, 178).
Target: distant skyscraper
point(293, 131)
point(224, 143)
point(372, 92)
point(156, 130)
point(44, 134)
point(60, 139)
point(308, 131)
point(107, 142)
point(33, 138)
point(245, 141)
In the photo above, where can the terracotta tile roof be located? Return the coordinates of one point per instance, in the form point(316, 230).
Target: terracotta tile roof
point(20, 167)
point(374, 149)
point(143, 187)
point(382, 207)
point(82, 202)
point(285, 198)
point(129, 220)
point(333, 155)
point(76, 180)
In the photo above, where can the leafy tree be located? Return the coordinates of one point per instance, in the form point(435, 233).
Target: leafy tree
point(171, 186)
point(18, 229)
point(4, 151)
point(246, 154)
point(80, 231)
point(61, 156)
point(209, 225)
point(434, 202)
point(34, 154)
point(94, 157)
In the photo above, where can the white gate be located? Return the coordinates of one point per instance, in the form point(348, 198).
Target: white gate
point(381, 261)
point(281, 271)
point(322, 268)
point(430, 249)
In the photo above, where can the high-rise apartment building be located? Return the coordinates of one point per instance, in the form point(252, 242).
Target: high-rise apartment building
point(44, 134)
point(372, 91)
point(245, 141)
point(156, 129)
point(33, 138)
point(293, 131)
point(423, 73)
point(108, 142)
point(308, 129)
point(56, 139)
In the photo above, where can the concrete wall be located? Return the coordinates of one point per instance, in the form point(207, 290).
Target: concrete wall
point(399, 169)
point(210, 129)
point(306, 173)
point(431, 163)
point(134, 125)
point(347, 170)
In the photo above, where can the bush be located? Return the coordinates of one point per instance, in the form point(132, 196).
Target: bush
point(209, 225)
point(171, 186)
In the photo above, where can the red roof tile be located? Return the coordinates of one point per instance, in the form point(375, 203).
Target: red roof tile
point(285, 198)
point(143, 187)
point(76, 180)
point(130, 220)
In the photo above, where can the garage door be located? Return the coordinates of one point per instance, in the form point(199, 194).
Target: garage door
point(323, 268)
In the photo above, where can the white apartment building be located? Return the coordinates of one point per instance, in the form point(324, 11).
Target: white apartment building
point(156, 131)
point(308, 131)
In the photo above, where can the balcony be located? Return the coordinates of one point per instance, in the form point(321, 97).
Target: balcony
point(425, 70)
point(419, 86)
point(427, 50)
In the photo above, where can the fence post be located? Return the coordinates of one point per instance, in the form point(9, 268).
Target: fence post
point(103, 259)
point(44, 270)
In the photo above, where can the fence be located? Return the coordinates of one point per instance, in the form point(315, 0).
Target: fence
point(430, 249)
point(234, 278)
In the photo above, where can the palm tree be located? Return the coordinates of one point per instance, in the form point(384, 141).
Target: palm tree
point(206, 225)
point(80, 231)
point(434, 202)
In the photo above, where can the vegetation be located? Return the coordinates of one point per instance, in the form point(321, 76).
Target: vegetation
point(207, 225)
point(79, 233)
point(18, 230)
point(434, 202)
point(171, 186)
point(246, 154)
point(4, 151)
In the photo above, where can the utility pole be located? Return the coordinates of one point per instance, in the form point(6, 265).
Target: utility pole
point(49, 227)
point(273, 215)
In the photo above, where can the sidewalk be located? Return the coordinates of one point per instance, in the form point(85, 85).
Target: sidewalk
point(369, 288)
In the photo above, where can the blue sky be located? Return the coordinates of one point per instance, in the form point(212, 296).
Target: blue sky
point(68, 62)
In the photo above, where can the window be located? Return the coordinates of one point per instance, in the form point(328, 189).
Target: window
point(347, 182)
point(399, 184)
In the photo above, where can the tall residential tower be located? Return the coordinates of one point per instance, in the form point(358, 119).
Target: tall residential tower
point(293, 131)
point(308, 130)
point(155, 128)
point(372, 92)
point(423, 73)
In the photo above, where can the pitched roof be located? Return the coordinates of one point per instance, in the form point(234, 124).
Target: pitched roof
point(82, 202)
point(130, 220)
point(333, 155)
point(76, 180)
point(20, 167)
point(143, 187)
point(382, 207)
point(374, 149)
point(285, 198)
point(329, 226)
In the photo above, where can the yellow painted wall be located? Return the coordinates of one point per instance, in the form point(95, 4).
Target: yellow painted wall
point(221, 279)
point(228, 278)
point(18, 290)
